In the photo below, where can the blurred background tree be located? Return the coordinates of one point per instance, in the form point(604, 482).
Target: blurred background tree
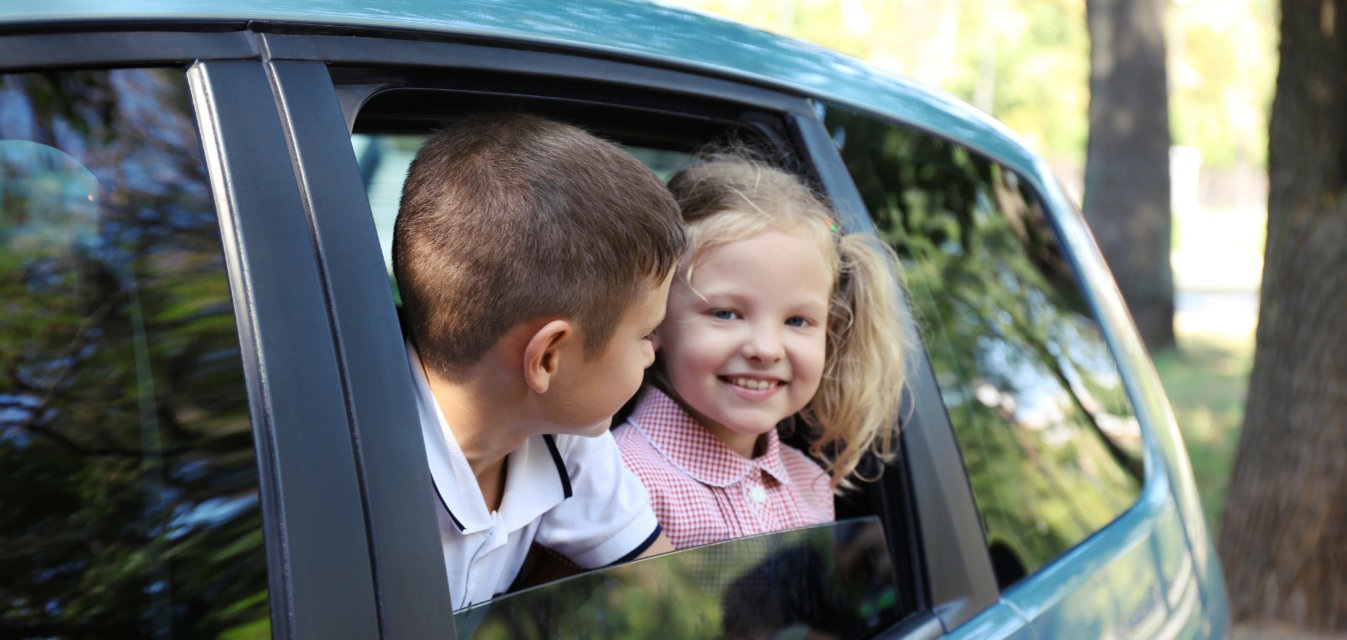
point(1284, 537)
point(1027, 62)
point(1127, 185)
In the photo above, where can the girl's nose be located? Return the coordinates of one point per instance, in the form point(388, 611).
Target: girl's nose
point(764, 344)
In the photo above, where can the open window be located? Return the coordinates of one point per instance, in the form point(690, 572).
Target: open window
point(846, 578)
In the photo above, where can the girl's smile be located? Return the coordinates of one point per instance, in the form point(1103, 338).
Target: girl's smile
point(744, 342)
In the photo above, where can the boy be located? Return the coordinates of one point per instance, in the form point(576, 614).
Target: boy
point(533, 261)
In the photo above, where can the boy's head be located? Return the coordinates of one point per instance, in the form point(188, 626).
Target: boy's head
point(511, 218)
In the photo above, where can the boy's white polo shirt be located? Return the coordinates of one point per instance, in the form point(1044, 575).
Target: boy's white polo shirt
point(571, 494)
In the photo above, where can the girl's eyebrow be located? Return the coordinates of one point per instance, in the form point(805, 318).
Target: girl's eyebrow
point(707, 296)
point(713, 298)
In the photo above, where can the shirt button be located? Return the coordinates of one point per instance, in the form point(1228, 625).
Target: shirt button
point(757, 494)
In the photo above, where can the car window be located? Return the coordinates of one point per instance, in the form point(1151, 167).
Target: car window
point(130, 494)
point(825, 581)
point(1046, 430)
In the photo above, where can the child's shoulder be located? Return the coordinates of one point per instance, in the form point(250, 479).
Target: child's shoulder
point(794, 460)
point(805, 471)
point(628, 434)
point(643, 458)
point(568, 446)
point(632, 443)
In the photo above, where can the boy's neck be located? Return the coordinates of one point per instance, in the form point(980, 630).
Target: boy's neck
point(487, 419)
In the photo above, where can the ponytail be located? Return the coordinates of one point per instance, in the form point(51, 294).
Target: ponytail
point(856, 409)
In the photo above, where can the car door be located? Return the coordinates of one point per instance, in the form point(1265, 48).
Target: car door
point(178, 452)
point(389, 92)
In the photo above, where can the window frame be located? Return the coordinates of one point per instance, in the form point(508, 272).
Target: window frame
point(300, 392)
point(945, 529)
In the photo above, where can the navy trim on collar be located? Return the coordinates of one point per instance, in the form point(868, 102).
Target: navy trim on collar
point(640, 548)
point(561, 466)
point(446, 506)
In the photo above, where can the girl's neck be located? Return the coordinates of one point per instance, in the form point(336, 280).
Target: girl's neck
point(744, 444)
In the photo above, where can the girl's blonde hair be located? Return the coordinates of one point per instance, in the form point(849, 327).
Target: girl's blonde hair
point(856, 409)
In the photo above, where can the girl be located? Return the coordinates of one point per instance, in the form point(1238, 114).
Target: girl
point(776, 319)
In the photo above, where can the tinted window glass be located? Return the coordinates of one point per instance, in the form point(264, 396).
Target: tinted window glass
point(129, 487)
point(827, 581)
point(1047, 433)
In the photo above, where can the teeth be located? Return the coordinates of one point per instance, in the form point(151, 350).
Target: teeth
point(749, 383)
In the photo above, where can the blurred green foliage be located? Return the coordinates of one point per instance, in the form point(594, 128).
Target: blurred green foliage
point(1027, 62)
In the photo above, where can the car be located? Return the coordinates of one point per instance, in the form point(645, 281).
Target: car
point(207, 427)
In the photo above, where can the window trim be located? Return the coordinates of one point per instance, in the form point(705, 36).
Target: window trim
point(410, 581)
point(317, 555)
point(122, 49)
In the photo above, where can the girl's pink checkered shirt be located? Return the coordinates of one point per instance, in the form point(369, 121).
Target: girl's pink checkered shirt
point(703, 492)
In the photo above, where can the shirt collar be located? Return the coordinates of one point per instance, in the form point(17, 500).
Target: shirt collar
point(691, 448)
point(536, 478)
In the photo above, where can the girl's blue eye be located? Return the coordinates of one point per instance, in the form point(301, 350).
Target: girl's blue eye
point(796, 321)
point(723, 314)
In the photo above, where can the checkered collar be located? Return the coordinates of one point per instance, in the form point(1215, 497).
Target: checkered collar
point(691, 448)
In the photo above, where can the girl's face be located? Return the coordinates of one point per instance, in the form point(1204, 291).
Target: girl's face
point(749, 350)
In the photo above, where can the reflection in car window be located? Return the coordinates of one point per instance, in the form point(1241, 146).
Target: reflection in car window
point(1046, 430)
point(831, 581)
point(130, 485)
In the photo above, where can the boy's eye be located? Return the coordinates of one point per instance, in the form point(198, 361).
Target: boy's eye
point(724, 314)
point(649, 336)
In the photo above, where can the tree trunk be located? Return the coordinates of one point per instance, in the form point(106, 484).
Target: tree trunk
point(1127, 169)
point(1284, 543)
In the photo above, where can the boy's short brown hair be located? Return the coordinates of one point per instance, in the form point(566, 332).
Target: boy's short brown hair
point(511, 217)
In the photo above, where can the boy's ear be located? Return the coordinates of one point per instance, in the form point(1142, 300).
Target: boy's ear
point(542, 354)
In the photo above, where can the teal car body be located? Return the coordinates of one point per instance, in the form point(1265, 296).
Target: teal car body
point(1150, 573)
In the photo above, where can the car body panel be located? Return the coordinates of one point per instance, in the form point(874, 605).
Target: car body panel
point(1133, 579)
point(999, 622)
